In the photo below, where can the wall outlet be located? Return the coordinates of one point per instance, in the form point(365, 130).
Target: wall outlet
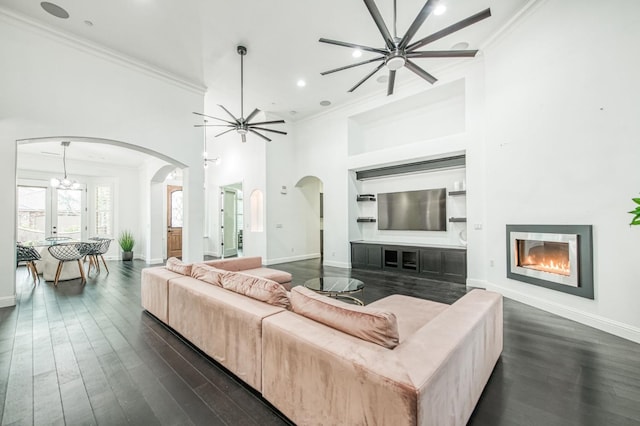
point(477, 226)
point(278, 225)
point(292, 250)
point(491, 263)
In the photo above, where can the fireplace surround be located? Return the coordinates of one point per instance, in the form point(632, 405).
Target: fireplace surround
point(559, 257)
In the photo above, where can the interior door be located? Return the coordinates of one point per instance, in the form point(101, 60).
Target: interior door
point(229, 227)
point(174, 221)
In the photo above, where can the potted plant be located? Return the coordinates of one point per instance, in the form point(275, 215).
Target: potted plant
point(636, 213)
point(126, 242)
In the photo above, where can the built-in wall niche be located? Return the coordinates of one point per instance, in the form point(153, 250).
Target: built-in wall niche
point(434, 113)
point(455, 206)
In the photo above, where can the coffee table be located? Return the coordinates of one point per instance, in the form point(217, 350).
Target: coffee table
point(338, 287)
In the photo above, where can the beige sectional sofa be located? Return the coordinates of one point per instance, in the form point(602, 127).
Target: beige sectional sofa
point(400, 360)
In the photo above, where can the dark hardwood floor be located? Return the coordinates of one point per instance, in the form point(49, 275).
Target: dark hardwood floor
point(89, 355)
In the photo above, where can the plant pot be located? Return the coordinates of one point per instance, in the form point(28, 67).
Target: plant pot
point(127, 255)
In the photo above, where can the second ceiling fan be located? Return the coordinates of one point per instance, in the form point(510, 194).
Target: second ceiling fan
point(399, 52)
point(242, 125)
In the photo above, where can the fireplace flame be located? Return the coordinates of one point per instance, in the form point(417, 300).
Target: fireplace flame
point(549, 265)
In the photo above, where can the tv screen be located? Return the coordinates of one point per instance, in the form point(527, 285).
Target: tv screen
point(424, 210)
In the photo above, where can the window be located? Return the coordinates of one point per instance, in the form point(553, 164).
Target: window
point(103, 211)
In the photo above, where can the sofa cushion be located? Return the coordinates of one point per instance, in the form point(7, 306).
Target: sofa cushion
point(257, 288)
point(370, 324)
point(412, 313)
point(208, 274)
point(176, 265)
point(236, 264)
point(281, 277)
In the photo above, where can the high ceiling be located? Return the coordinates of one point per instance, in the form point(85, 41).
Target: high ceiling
point(196, 41)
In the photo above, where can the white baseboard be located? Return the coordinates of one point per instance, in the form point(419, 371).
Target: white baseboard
point(614, 327)
point(292, 259)
point(154, 261)
point(335, 264)
point(476, 283)
point(7, 301)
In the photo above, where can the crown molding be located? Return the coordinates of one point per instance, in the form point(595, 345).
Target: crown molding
point(100, 51)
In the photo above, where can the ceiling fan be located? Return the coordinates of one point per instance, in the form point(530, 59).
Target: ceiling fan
point(399, 52)
point(242, 125)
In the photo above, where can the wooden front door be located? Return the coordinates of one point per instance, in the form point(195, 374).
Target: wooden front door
point(174, 221)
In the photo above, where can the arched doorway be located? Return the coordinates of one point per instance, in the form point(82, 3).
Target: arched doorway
point(125, 175)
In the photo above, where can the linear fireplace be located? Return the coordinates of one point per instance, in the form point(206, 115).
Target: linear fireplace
point(559, 257)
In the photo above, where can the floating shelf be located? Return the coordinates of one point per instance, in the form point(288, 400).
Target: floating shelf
point(366, 219)
point(463, 192)
point(366, 197)
point(457, 219)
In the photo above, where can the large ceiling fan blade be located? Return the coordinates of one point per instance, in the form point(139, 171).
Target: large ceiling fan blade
point(392, 82)
point(382, 27)
point(262, 136)
point(353, 65)
point(215, 118)
point(268, 122)
point(417, 23)
point(214, 125)
point(231, 115)
point(250, 116)
point(352, 45)
point(375, 70)
point(450, 29)
point(267, 130)
point(422, 73)
point(226, 131)
point(443, 54)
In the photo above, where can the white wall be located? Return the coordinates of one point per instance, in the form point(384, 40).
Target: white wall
point(562, 148)
point(239, 163)
point(52, 87)
point(550, 136)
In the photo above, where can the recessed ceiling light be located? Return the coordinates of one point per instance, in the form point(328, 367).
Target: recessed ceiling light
point(357, 53)
point(293, 112)
point(325, 103)
point(383, 78)
point(463, 45)
point(54, 10)
point(88, 23)
point(440, 9)
point(301, 83)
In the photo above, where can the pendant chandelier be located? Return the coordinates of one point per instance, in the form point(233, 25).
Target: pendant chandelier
point(64, 183)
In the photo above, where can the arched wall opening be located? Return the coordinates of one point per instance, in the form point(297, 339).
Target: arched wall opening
point(143, 204)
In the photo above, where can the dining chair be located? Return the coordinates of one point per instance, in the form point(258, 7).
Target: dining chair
point(98, 249)
point(29, 255)
point(69, 252)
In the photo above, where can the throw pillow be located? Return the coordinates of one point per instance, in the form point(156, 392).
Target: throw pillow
point(208, 274)
point(370, 324)
point(257, 288)
point(176, 265)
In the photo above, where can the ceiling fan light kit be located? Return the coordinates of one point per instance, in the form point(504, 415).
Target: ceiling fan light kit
point(398, 52)
point(242, 125)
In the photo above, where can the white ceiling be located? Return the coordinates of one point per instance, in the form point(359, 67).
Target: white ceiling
point(196, 41)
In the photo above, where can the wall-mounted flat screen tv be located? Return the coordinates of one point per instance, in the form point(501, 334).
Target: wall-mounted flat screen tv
point(424, 210)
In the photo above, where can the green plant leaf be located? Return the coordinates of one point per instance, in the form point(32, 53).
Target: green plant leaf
point(637, 200)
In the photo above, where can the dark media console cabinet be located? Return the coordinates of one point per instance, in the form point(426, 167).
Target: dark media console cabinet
point(434, 262)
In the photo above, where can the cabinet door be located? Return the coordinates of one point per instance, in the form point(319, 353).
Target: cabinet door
point(374, 257)
point(358, 255)
point(454, 266)
point(391, 258)
point(431, 262)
